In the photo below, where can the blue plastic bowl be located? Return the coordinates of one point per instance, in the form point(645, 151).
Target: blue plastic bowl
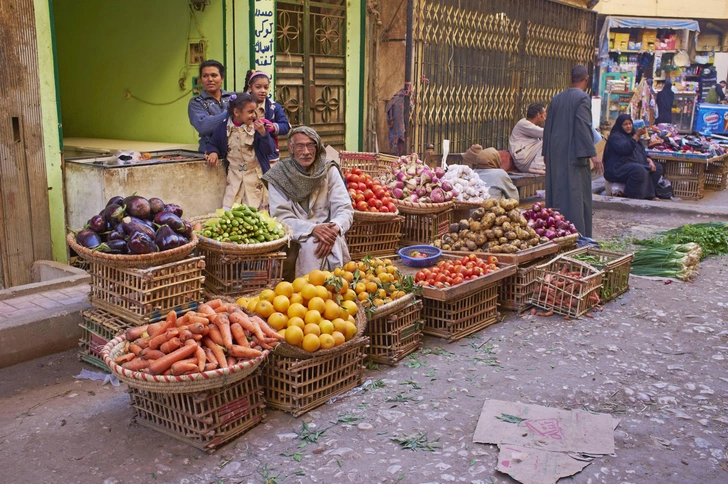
point(433, 255)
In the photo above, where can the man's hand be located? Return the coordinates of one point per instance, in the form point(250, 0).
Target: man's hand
point(322, 249)
point(211, 159)
point(326, 233)
point(652, 165)
point(598, 166)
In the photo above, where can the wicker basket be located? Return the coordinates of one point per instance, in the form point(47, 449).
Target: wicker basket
point(98, 328)
point(396, 334)
point(423, 229)
point(373, 164)
point(235, 275)
point(379, 238)
point(422, 208)
point(196, 382)
point(232, 248)
point(616, 267)
point(142, 296)
point(459, 317)
point(298, 386)
point(570, 296)
point(205, 420)
point(289, 351)
point(133, 260)
point(360, 216)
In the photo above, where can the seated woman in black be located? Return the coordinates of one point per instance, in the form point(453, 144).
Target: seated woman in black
point(625, 161)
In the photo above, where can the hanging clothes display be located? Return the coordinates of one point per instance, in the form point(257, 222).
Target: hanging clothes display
point(643, 104)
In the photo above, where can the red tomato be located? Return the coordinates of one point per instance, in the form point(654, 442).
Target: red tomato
point(373, 209)
point(362, 206)
point(347, 177)
point(472, 256)
point(386, 199)
point(356, 171)
point(377, 203)
point(368, 194)
point(383, 209)
point(360, 197)
point(441, 263)
point(362, 186)
point(379, 193)
point(436, 269)
point(441, 278)
point(439, 285)
point(468, 272)
point(464, 260)
point(354, 179)
point(493, 260)
point(458, 280)
point(368, 183)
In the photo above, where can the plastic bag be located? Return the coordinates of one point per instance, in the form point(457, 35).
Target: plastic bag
point(351, 392)
point(96, 375)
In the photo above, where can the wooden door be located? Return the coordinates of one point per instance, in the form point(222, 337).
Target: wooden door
point(24, 212)
point(311, 65)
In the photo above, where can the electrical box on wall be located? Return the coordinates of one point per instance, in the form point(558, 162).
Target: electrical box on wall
point(197, 51)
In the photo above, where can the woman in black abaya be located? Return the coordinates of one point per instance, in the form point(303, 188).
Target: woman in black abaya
point(665, 100)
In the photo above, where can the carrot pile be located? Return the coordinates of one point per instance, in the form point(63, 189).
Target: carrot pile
point(217, 335)
point(563, 288)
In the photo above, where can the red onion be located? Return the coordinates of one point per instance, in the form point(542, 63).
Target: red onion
point(537, 207)
point(439, 172)
point(543, 214)
point(397, 193)
point(550, 234)
point(399, 184)
point(539, 224)
point(540, 232)
point(437, 195)
point(550, 222)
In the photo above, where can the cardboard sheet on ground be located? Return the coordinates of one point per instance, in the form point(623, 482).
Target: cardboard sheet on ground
point(535, 450)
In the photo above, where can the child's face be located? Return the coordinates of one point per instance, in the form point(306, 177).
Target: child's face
point(245, 114)
point(259, 88)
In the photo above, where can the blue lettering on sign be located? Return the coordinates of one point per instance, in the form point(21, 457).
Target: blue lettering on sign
point(263, 13)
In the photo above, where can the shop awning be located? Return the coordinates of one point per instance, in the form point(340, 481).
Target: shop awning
point(641, 23)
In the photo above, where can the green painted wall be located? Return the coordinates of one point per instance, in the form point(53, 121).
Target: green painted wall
point(109, 47)
point(354, 86)
point(51, 137)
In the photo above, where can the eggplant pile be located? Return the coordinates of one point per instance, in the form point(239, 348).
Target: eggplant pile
point(135, 225)
point(548, 222)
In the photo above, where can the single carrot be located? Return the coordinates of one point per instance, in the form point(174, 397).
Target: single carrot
point(223, 324)
point(217, 351)
point(201, 358)
point(197, 337)
point(185, 335)
point(267, 330)
point(125, 358)
point(164, 363)
point(549, 313)
point(205, 309)
point(210, 366)
point(243, 320)
point(214, 334)
point(143, 342)
point(153, 329)
point(135, 348)
point(197, 328)
point(192, 360)
point(149, 354)
point(215, 303)
point(171, 345)
point(221, 309)
point(231, 307)
point(136, 332)
point(162, 338)
point(198, 319)
point(184, 320)
point(231, 361)
point(136, 364)
point(262, 343)
point(210, 356)
point(591, 316)
point(239, 334)
point(242, 352)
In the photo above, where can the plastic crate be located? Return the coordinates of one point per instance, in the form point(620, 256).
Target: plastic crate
point(459, 317)
point(235, 275)
point(423, 229)
point(616, 267)
point(373, 164)
point(374, 238)
point(98, 328)
point(297, 386)
point(564, 294)
point(141, 296)
point(515, 292)
point(396, 335)
point(205, 420)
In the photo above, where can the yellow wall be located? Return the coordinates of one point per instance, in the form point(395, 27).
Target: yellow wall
point(715, 9)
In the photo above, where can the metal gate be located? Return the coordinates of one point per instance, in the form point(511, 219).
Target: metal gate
point(311, 65)
point(479, 63)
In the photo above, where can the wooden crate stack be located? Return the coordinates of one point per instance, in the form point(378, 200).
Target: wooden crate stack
point(616, 267)
point(424, 228)
point(562, 293)
point(394, 335)
point(236, 275)
point(376, 238)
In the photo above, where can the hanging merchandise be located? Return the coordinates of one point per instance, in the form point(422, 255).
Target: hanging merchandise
point(642, 105)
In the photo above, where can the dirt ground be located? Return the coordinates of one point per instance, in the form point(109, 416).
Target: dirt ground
point(655, 358)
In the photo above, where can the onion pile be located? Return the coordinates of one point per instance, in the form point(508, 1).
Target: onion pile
point(410, 180)
point(467, 185)
point(548, 223)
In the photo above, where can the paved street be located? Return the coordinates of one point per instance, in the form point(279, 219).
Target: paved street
point(656, 359)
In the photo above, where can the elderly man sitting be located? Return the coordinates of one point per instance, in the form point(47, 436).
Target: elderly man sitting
point(526, 141)
point(486, 163)
point(307, 192)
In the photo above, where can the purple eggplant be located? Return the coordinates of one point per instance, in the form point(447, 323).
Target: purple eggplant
point(115, 200)
point(88, 238)
point(98, 224)
point(167, 238)
point(172, 208)
point(156, 204)
point(113, 214)
point(146, 222)
point(131, 226)
point(141, 243)
point(138, 207)
point(117, 234)
point(187, 232)
point(117, 247)
point(172, 220)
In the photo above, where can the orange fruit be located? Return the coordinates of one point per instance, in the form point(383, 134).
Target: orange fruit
point(387, 262)
point(350, 331)
point(317, 304)
point(297, 311)
point(282, 332)
point(296, 298)
point(326, 326)
point(317, 277)
point(251, 305)
point(294, 335)
point(278, 321)
point(363, 296)
point(378, 302)
point(350, 307)
point(312, 317)
point(344, 286)
point(331, 310)
point(267, 295)
point(284, 289)
point(350, 295)
point(296, 321)
point(323, 293)
point(339, 338)
point(311, 328)
point(360, 287)
point(371, 287)
point(264, 308)
point(348, 277)
point(281, 303)
point(326, 341)
point(298, 284)
point(310, 343)
point(339, 325)
point(308, 292)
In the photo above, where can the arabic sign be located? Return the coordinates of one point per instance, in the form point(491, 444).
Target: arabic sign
point(264, 36)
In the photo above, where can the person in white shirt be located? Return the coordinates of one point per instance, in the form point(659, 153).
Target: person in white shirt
point(526, 140)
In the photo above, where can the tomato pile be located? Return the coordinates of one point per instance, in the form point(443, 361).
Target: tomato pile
point(453, 272)
point(368, 195)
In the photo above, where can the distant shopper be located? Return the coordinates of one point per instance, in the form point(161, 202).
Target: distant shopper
point(665, 100)
point(568, 145)
point(526, 141)
point(209, 109)
point(625, 161)
point(716, 94)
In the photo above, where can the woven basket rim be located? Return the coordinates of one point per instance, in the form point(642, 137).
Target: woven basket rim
point(177, 383)
point(395, 305)
point(464, 204)
point(422, 208)
point(375, 216)
point(565, 240)
point(241, 249)
point(290, 351)
point(133, 260)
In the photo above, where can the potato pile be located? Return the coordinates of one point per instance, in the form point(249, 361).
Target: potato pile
point(496, 227)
